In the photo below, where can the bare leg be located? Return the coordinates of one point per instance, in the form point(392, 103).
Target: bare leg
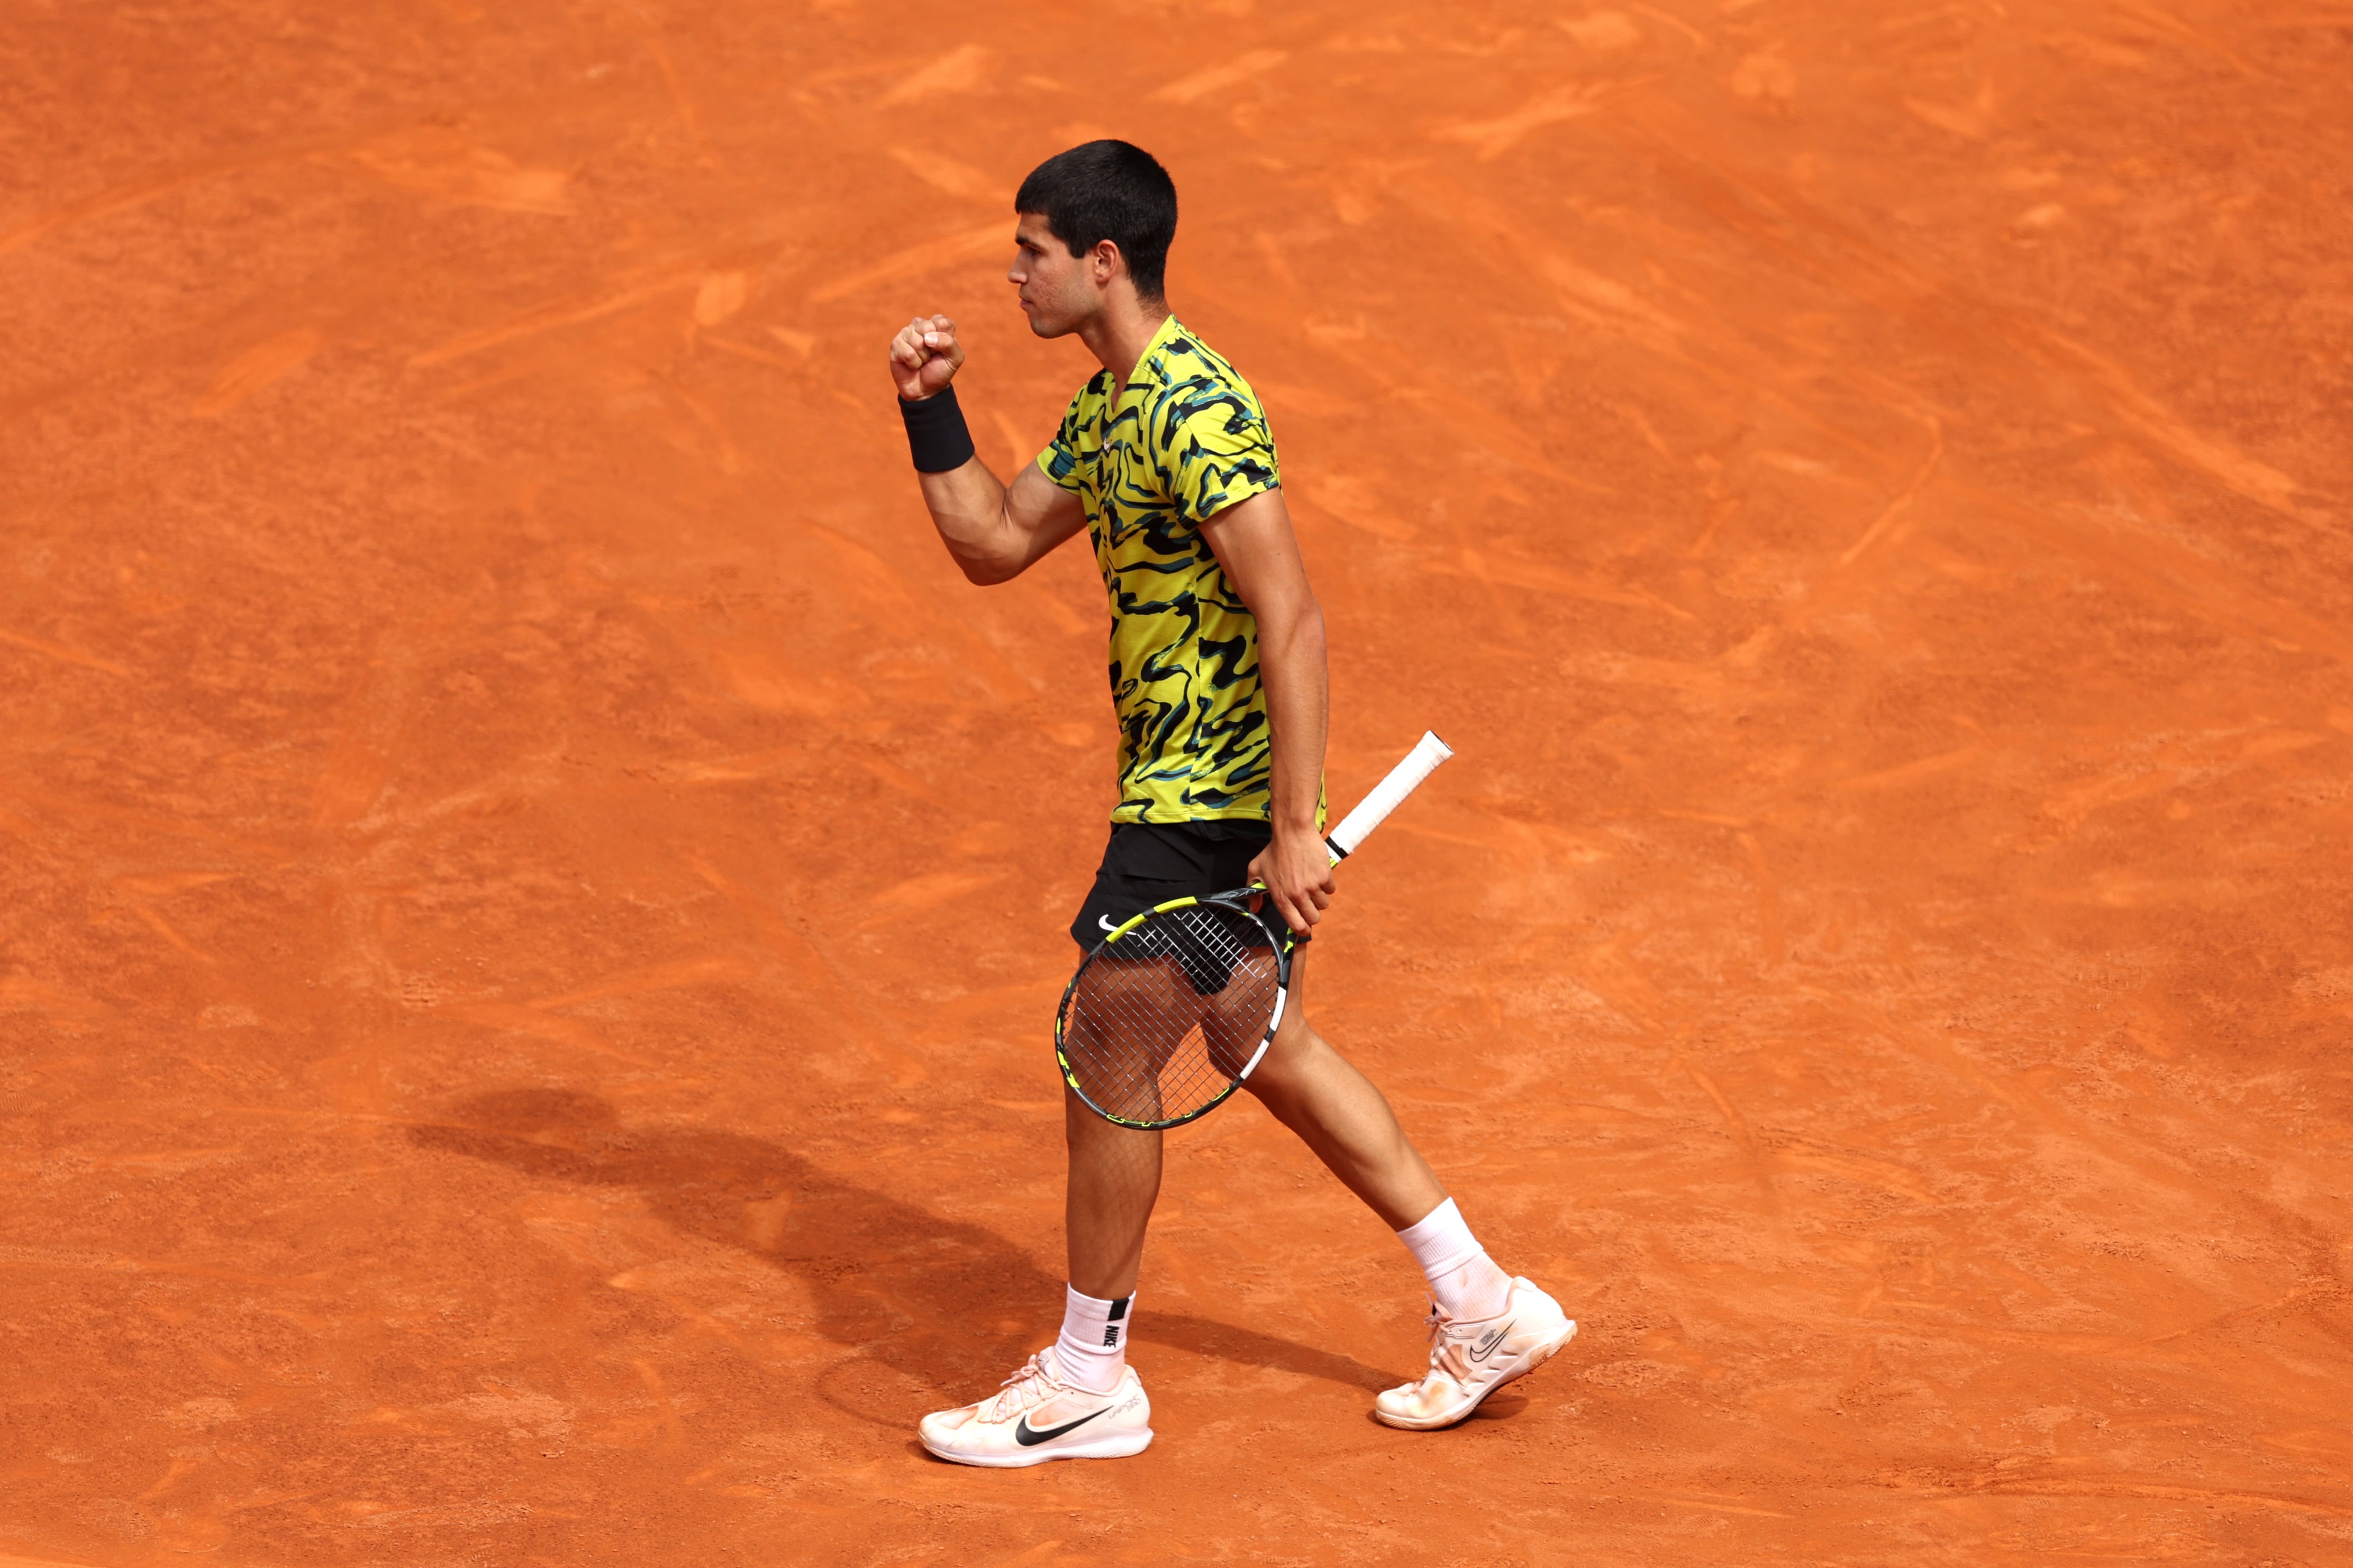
point(1313, 1090)
point(1115, 1180)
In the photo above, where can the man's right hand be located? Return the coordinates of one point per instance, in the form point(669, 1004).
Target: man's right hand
point(924, 357)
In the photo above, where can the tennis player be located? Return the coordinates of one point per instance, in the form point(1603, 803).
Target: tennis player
point(1218, 675)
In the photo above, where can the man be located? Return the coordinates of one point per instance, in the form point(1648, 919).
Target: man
point(1218, 674)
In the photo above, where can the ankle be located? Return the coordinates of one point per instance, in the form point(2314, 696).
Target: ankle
point(1092, 1350)
point(1476, 1292)
point(1463, 1280)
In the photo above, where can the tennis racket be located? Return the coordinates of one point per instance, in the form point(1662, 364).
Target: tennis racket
point(1169, 1014)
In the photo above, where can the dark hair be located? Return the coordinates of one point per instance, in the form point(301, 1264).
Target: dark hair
point(1108, 190)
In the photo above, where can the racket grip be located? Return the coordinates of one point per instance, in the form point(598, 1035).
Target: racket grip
point(1371, 811)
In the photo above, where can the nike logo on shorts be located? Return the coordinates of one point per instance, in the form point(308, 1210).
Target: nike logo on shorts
point(1029, 1437)
point(1105, 921)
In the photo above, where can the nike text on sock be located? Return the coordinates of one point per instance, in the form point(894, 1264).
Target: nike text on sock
point(1093, 1346)
point(1463, 1280)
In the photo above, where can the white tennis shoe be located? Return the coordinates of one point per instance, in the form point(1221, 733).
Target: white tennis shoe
point(1468, 1360)
point(1036, 1416)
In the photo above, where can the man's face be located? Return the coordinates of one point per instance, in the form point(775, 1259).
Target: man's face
point(1058, 290)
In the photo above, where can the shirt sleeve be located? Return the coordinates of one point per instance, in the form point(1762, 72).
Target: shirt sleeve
point(1220, 450)
point(1059, 461)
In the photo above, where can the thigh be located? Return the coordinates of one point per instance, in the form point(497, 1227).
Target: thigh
point(1294, 1027)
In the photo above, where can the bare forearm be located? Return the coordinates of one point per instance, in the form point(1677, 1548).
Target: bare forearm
point(1294, 671)
point(993, 531)
point(967, 506)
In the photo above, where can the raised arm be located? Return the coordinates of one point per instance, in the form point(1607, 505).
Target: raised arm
point(1254, 542)
point(995, 531)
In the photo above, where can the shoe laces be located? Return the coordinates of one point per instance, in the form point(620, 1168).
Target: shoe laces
point(1445, 1352)
point(1438, 1322)
point(1027, 1388)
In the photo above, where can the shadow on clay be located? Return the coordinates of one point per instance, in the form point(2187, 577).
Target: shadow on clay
point(899, 1285)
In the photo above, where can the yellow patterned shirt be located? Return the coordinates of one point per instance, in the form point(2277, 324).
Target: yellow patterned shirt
point(1183, 440)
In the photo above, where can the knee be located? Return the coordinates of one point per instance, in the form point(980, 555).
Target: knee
point(1294, 1049)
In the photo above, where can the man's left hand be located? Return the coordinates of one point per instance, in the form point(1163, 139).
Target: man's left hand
point(1297, 870)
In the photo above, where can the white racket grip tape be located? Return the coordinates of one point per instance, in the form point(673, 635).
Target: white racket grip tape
point(1375, 809)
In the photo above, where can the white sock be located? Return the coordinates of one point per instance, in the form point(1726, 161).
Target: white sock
point(1092, 1346)
point(1463, 1280)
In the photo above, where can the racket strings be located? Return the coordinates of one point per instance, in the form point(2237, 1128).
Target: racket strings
point(1163, 1021)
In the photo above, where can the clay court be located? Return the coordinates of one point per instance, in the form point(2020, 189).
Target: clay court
point(532, 893)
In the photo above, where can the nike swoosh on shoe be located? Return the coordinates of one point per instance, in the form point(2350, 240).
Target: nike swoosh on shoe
point(1494, 1339)
point(1029, 1437)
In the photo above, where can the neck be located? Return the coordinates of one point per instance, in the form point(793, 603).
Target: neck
point(1122, 331)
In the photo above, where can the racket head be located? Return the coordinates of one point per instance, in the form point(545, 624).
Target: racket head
point(1169, 1014)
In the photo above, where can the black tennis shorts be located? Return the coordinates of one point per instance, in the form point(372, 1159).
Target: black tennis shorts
point(1149, 863)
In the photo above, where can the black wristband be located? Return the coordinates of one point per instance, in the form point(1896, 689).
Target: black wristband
point(937, 433)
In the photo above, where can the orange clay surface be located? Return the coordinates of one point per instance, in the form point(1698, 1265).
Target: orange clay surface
point(533, 893)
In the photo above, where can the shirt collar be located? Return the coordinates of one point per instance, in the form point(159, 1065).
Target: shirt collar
point(1146, 372)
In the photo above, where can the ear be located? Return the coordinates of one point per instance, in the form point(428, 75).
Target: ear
point(1104, 263)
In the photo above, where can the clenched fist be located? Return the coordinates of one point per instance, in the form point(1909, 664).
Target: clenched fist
point(924, 357)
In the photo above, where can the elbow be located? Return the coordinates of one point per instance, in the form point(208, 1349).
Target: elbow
point(1303, 630)
point(988, 556)
point(987, 573)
